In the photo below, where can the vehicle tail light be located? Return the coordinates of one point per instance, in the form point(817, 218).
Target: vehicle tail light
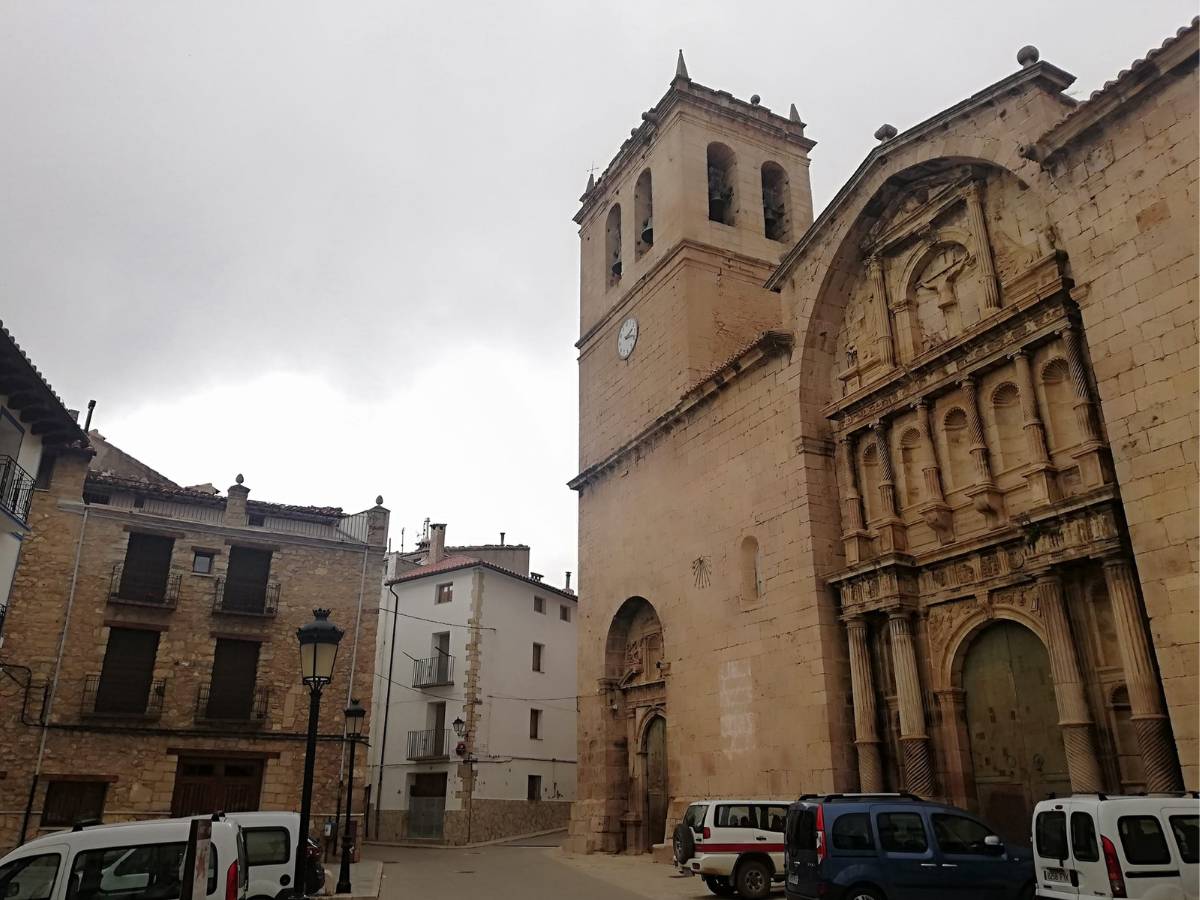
point(231, 882)
point(313, 850)
point(821, 850)
point(707, 832)
point(1116, 879)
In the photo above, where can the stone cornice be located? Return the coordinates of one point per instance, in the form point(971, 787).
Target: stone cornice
point(766, 345)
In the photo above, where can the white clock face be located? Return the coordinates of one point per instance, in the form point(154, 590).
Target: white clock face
point(627, 337)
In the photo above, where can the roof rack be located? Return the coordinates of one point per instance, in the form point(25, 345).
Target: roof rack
point(81, 824)
point(850, 795)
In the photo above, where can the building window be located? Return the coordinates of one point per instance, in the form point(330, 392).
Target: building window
point(202, 562)
point(147, 568)
point(127, 674)
point(257, 520)
point(445, 593)
point(751, 565)
point(539, 605)
point(537, 656)
point(564, 613)
point(612, 244)
point(246, 580)
point(535, 724)
point(643, 215)
point(235, 670)
point(534, 788)
point(721, 178)
point(68, 802)
point(97, 498)
point(777, 225)
point(139, 502)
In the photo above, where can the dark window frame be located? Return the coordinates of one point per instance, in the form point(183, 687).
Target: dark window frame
point(262, 829)
point(533, 788)
point(539, 605)
point(443, 593)
point(1042, 824)
point(1187, 852)
point(538, 663)
point(66, 811)
point(1085, 845)
point(979, 849)
point(197, 555)
point(535, 724)
point(564, 612)
point(852, 818)
point(885, 833)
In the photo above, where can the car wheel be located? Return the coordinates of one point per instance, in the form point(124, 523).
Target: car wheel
point(753, 880)
point(718, 885)
point(863, 893)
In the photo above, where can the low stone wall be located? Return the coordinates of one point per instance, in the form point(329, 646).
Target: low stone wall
point(490, 820)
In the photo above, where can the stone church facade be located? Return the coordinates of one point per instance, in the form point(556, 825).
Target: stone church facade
point(904, 497)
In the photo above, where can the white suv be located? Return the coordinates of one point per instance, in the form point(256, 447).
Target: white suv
point(735, 846)
point(1095, 845)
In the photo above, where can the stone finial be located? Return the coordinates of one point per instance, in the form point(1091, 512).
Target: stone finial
point(591, 182)
point(755, 99)
point(240, 479)
point(794, 115)
point(1028, 55)
point(885, 132)
point(379, 500)
point(681, 68)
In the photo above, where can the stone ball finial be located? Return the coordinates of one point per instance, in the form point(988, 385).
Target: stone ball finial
point(379, 500)
point(240, 479)
point(885, 132)
point(755, 99)
point(1028, 55)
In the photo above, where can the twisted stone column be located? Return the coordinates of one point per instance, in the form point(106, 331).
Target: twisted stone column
point(918, 764)
point(935, 511)
point(862, 691)
point(1074, 717)
point(1079, 382)
point(856, 543)
point(884, 333)
point(983, 245)
point(1038, 472)
point(1149, 717)
point(983, 494)
point(891, 530)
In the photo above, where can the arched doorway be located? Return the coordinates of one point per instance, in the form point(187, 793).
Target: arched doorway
point(1016, 747)
point(655, 748)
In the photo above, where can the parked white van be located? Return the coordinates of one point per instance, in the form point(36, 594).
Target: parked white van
point(133, 861)
point(271, 839)
point(1141, 847)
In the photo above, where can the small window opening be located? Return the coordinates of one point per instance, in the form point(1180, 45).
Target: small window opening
point(539, 605)
point(538, 650)
point(97, 498)
point(777, 224)
point(445, 593)
point(751, 566)
point(564, 613)
point(202, 562)
point(535, 724)
point(534, 788)
point(257, 520)
point(643, 214)
point(612, 243)
point(721, 165)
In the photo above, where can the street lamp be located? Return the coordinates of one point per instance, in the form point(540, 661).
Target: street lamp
point(354, 725)
point(459, 726)
point(460, 729)
point(319, 641)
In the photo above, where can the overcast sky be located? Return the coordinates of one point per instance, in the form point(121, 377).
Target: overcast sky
point(330, 245)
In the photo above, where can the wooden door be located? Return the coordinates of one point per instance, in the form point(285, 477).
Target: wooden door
point(1012, 718)
point(246, 579)
point(127, 672)
point(235, 668)
point(204, 786)
point(656, 782)
point(427, 805)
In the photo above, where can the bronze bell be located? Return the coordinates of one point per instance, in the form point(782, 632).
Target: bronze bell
point(648, 232)
point(616, 269)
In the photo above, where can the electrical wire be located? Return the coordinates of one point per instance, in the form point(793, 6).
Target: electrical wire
point(438, 621)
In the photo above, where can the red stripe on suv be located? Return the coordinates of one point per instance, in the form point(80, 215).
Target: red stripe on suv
point(739, 848)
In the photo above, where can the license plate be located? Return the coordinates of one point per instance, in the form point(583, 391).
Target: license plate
point(1056, 875)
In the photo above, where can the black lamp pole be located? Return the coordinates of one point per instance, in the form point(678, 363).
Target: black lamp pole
point(354, 724)
point(318, 650)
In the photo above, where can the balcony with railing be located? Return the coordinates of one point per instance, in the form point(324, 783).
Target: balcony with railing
point(433, 672)
point(143, 587)
point(433, 743)
point(246, 597)
point(16, 489)
point(120, 698)
point(231, 708)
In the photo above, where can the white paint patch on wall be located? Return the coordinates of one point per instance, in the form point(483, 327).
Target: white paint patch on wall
point(735, 693)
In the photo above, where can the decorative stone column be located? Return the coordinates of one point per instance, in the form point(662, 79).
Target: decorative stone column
point(862, 690)
point(934, 510)
point(1094, 469)
point(1149, 717)
point(956, 742)
point(890, 528)
point(983, 493)
point(1038, 472)
point(883, 338)
point(856, 542)
point(918, 764)
point(983, 246)
point(1074, 717)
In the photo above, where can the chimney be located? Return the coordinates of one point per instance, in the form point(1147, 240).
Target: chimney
point(235, 504)
point(502, 539)
point(377, 524)
point(437, 543)
point(536, 576)
point(568, 587)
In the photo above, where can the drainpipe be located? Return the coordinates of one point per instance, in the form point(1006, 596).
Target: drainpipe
point(62, 643)
point(387, 709)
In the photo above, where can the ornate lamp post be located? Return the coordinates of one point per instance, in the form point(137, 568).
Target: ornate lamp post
point(354, 725)
point(319, 641)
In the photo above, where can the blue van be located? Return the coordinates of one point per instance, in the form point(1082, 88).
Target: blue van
point(897, 847)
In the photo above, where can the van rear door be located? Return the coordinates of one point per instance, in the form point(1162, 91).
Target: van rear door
point(1184, 820)
point(800, 850)
point(1053, 866)
point(1145, 853)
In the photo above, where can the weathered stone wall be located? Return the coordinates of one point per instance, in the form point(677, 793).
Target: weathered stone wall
point(140, 757)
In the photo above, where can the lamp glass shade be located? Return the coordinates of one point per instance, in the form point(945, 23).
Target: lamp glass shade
point(318, 649)
point(355, 716)
point(459, 725)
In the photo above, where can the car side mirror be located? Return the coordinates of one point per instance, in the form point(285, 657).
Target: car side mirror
point(992, 844)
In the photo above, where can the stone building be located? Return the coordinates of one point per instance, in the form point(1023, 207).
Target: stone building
point(475, 710)
point(905, 496)
point(150, 664)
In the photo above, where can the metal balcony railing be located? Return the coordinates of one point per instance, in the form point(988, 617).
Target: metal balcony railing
point(246, 597)
point(228, 707)
point(130, 584)
point(434, 743)
point(437, 670)
point(16, 489)
point(113, 699)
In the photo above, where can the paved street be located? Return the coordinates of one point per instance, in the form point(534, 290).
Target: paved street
point(536, 869)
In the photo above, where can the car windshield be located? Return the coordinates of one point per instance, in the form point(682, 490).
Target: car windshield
point(148, 872)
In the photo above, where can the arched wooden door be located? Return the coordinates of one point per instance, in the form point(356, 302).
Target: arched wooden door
point(656, 781)
point(1012, 718)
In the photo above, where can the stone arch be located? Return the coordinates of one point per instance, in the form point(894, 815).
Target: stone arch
point(612, 244)
point(722, 181)
point(750, 569)
point(1055, 378)
point(776, 202)
point(1005, 406)
point(631, 633)
point(643, 214)
point(911, 460)
point(870, 479)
